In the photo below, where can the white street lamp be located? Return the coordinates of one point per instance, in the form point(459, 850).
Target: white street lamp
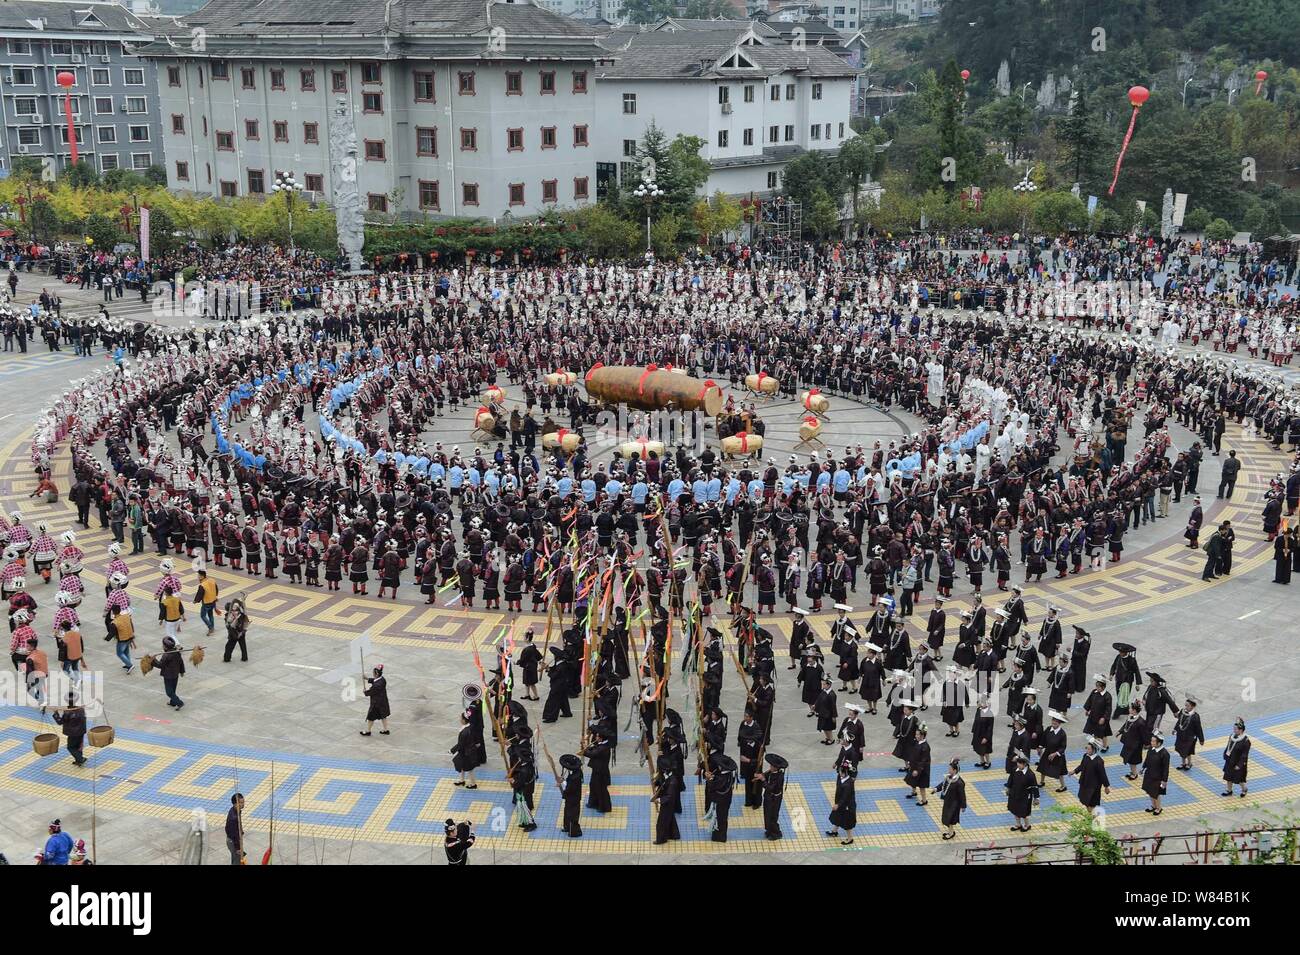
point(1025, 187)
point(648, 191)
point(286, 184)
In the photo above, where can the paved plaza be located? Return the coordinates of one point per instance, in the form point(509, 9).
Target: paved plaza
point(283, 727)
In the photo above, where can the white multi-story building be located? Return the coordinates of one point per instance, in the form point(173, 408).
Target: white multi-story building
point(755, 100)
point(461, 107)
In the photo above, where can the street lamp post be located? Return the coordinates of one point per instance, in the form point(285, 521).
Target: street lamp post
point(1186, 84)
point(1025, 187)
point(648, 191)
point(289, 187)
point(1024, 89)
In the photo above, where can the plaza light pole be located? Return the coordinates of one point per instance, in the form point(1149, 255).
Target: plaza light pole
point(648, 191)
point(287, 185)
point(1025, 187)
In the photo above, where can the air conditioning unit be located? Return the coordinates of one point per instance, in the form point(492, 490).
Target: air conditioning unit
point(726, 108)
point(78, 58)
point(37, 118)
point(105, 58)
point(22, 148)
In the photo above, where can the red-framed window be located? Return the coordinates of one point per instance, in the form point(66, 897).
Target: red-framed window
point(311, 133)
point(515, 140)
point(426, 141)
point(307, 81)
point(516, 190)
point(580, 187)
point(465, 82)
point(376, 150)
point(580, 136)
point(546, 82)
point(178, 124)
point(429, 198)
point(579, 81)
point(548, 137)
point(280, 130)
point(468, 139)
point(469, 193)
point(425, 88)
point(514, 83)
point(550, 190)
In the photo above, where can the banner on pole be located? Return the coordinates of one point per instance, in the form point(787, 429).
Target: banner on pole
point(144, 233)
point(1180, 208)
point(1092, 205)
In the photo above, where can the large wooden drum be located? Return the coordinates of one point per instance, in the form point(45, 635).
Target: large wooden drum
point(561, 378)
point(484, 420)
point(816, 402)
point(763, 383)
point(810, 428)
point(642, 448)
point(564, 439)
point(742, 444)
point(654, 389)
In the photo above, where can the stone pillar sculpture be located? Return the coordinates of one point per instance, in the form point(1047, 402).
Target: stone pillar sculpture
point(349, 223)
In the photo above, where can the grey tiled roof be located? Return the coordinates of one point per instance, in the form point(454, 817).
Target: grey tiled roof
point(690, 55)
point(67, 17)
point(454, 29)
point(368, 17)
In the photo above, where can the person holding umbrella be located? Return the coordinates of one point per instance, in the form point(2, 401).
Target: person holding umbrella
point(1155, 772)
point(1187, 733)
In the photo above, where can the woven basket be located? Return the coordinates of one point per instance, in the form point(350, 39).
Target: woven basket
point(45, 744)
point(100, 735)
point(146, 664)
point(196, 656)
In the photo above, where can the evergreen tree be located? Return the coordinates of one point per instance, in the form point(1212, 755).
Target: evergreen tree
point(1080, 136)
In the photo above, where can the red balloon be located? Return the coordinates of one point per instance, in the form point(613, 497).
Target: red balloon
point(1262, 75)
point(965, 74)
point(66, 79)
point(1137, 95)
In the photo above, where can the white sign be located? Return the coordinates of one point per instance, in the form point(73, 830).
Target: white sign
point(1180, 208)
point(144, 233)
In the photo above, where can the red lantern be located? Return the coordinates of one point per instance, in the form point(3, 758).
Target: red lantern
point(1260, 77)
point(434, 255)
point(965, 75)
point(1137, 95)
point(67, 80)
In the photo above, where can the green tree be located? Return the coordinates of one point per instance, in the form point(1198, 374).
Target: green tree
point(156, 175)
point(162, 232)
point(716, 216)
point(647, 11)
point(665, 232)
point(1263, 221)
point(707, 9)
point(43, 221)
point(27, 168)
point(103, 231)
point(605, 234)
point(677, 167)
point(1197, 220)
point(1007, 119)
point(856, 159)
point(1080, 137)
point(822, 216)
point(1056, 212)
point(1219, 231)
point(81, 175)
point(810, 173)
